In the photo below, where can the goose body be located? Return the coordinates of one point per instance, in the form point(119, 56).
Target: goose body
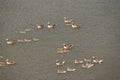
point(78, 61)
point(60, 63)
point(22, 32)
point(1, 57)
point(21, 41)
point(67, 21)
point(27, 30)
point(41, 26)
point(35, 39)
point(27, 40)
point(10, 42)
point(87, 65)
point(67, 46)
point(75, 26)
point(2, 64)
point(70, 69)
point(50, 26)
point(61, 71)
point(87, 60)
point(62, 51)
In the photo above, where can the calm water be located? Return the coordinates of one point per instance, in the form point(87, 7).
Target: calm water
point(99, 35)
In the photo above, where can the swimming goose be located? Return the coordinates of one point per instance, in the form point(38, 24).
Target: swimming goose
point(36, 39)
point(22, 32)
point(87, 65)
point(67, 21)
point(70, 69)
point(67, 46)
point(50, 26)
point(60, 63)
point(20, 41)
point(61, 71)
point(10, 42)
point(75, 26)
point(27, 30)
point(10, 62)
point(97, 61)
point(62, 51)
point(87, 60)
point(2, 64)
point(1, 56)
point(27, 40)
point(78, 61)
point(41, 26)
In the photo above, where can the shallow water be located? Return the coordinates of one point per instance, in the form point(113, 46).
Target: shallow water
point(98, 35)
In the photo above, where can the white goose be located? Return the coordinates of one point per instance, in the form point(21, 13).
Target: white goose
point(10, 42)
point(70, 69)
point(60, 63)
point(50, 26)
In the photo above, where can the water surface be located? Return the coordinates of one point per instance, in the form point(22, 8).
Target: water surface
point(99, 35)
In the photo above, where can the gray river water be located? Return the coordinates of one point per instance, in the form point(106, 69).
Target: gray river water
point(99, 35)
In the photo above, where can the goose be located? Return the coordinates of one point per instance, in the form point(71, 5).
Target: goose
point(61, 50)
point(1, 57)
point(67, 21)
point(61, 71)
point(10, 42)
point(21, 41)
point(36, 39)
point(2, 64)
point(87, 65)
point(67, 46)
point(60, 63)
point(10, 62)
point(97, 61)
point(50, 26)
point(75, 26)
point(41, 26)
point(27, 30)
point(70, 69)
point(87, 60)
point(22, 32)
point(78, 61)
point(27, 40)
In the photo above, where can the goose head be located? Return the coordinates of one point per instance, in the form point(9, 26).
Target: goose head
point(7, 39)
point(93, 57)
point(65, 18)
point(48, 23)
